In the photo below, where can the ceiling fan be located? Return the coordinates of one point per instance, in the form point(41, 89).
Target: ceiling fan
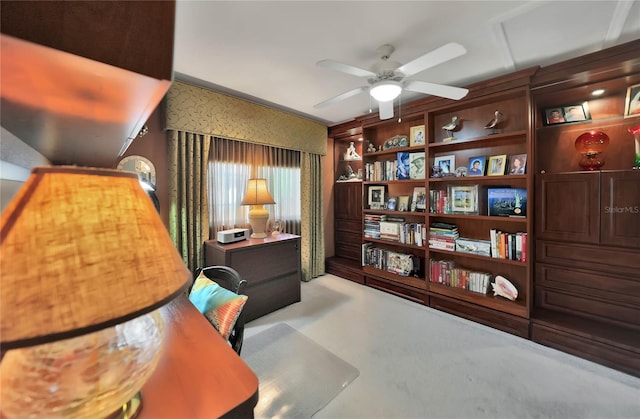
point(388, 78)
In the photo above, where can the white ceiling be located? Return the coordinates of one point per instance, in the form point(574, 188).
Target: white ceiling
point(266, 51)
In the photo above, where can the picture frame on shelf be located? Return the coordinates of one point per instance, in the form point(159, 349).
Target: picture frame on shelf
point(419, 201)
point(632, 101)
point(563, 114)
point(392, 203)
point(497, 165)
point(403, 203)
point(447, 164)
point(417, 165)
point(464, 199)
point(477, 166)
point(402, 172)
point(416, 135)
point(507, 202)
point(554, 116)
point(517, 164)
point(376, 197)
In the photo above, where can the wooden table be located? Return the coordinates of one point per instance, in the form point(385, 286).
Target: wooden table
point(199, 375)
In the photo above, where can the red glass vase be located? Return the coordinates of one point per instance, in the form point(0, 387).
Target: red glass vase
point(591, 144)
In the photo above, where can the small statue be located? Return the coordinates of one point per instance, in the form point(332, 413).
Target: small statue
point(351, 153)
point(492, 125)
point(350, 174)
point(371, 148)
point(450, 127)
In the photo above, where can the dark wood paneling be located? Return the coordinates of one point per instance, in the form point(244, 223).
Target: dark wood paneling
point(510, 324)
point(345, 268)
point(588, 348)
point(134, 35)
point(588, 306)
point(567, 207)
point(395, 288)
point(617, 261)
point(620, 214)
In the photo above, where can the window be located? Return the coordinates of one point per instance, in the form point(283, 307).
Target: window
point(232, 163)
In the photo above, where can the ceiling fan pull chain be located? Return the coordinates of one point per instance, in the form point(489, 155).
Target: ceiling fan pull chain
point(399, 109)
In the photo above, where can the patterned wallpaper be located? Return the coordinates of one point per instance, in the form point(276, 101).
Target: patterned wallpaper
point(200, 110)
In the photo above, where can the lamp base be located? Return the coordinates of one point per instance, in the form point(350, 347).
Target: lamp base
point(130, 409)
point(258, 217)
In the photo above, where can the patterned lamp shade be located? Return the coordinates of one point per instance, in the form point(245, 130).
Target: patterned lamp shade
point(82, 249)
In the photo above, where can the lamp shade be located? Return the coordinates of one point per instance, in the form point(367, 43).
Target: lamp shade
point(257, 193)
point(82, 249)
point(385, 90)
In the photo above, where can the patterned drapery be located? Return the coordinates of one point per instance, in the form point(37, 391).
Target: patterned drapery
point(188, 156)
point(312, 223)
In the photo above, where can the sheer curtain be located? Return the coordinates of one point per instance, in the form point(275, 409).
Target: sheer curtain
point(232, 163)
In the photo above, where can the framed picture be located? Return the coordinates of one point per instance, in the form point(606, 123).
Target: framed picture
point(507, 202)
point(376, 197)
point(447, 164)
point(554, 116)
point(562, 114)
point(632, 101)
point(402, 172)
point(419, 201)
point(392, 203)
point(496, 165)
point(477, 166)
point(574, 113)
point(416, 165)
point(403, 203)
point(416, 135)
point(464, 199)
point(517, 164)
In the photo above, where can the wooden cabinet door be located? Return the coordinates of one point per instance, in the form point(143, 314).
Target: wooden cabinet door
point(620, 211)
point(348, 200)
point(567, 207)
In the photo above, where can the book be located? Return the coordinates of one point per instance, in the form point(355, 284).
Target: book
point(402, 172)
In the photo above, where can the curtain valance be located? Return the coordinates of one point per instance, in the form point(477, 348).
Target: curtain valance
point(199, 110)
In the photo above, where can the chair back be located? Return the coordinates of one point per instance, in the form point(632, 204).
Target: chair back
point(230, 279)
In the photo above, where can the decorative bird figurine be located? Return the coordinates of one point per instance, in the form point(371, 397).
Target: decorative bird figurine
point(497, 118)
point(450, 127)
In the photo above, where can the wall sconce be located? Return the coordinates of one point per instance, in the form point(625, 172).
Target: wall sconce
point(85, 262)
point(258, 195)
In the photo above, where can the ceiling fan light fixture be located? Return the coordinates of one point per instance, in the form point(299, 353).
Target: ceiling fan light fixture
point(385, 90)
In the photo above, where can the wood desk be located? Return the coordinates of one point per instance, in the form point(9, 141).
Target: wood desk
point(199, 375)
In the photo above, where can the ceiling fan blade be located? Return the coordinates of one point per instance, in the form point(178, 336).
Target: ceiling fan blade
point(442, 90)
point(341, 96)
point(432, 59)
point(386, 109)
point(345, 68)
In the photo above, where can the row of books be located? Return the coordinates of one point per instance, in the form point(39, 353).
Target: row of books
point(439, 201)
point(446, 273)
point(372, 225)
point(398, 263)
point(406, 166)
point(403, 232)
point(443, 236)
point(512, 246)
point(381, 170)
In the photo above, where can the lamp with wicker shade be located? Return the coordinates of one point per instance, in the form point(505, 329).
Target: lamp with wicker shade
point(85, 262)
point(258, 195)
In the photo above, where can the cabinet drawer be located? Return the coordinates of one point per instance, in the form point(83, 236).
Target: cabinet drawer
point(588, 306)
point(597, 258)
point(277, 260)
point(610, 287)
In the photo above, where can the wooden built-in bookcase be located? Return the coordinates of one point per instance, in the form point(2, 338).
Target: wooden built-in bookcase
point(579, 287)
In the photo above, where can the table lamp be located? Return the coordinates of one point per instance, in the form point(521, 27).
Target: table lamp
point(85, 264)
point(257, 195)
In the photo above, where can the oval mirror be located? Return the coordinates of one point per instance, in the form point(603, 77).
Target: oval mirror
point(141, 165)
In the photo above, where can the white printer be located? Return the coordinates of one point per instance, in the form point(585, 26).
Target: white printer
point(233, 235)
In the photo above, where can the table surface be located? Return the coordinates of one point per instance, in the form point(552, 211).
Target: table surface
point(198, 375)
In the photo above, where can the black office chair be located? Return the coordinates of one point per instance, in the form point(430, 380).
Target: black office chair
point(230, 279)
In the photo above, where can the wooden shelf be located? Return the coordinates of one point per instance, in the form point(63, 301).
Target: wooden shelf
point(393, 243)
point(517, 307)
point(394, 213)
point(480, 257)
point(394, 151)
point(390, 182)
point(479, 179)
point(480, 217)
point(409, 281)
point(484, 141)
